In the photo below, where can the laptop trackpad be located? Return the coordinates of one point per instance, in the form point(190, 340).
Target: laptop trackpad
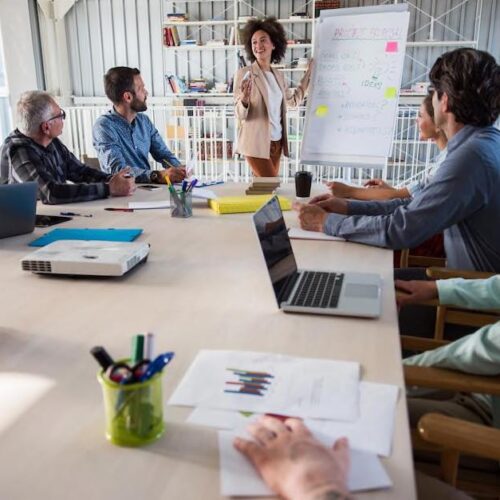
point(359, 291)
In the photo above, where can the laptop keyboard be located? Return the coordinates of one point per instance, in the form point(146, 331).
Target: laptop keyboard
point(317, 289)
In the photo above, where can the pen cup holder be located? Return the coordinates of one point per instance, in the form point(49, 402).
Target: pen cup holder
point(181, 204)
point(134, 412)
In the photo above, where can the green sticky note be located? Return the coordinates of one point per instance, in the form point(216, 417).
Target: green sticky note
point(321, 110)
point(391, 93)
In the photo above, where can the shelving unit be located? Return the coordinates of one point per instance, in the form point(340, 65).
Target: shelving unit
point(214, 20)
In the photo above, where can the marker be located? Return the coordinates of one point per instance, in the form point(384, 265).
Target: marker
point(137, 353)
point(184, 185)
point(192, 184)
point(157, 365)
point(74, 214)
point(109, 209)
point(149, 346)
point(102, 357)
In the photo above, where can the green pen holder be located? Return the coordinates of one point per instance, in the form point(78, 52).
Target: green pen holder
point(134, 412)
point(181, 204)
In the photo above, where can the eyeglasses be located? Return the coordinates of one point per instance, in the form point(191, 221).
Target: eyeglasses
point(62, 115)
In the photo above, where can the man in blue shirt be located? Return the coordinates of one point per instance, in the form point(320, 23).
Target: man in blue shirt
point(125, 136)
point(462, 198)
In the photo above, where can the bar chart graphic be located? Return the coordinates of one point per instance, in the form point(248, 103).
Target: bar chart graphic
point(249, 383)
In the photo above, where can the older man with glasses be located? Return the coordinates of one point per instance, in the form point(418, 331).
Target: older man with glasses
point(33, 152)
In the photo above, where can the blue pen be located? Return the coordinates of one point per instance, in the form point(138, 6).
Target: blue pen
point(157, 365)
point(192, 184)
point(184, 185)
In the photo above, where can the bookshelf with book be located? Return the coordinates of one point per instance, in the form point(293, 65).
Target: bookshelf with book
point(202, 41)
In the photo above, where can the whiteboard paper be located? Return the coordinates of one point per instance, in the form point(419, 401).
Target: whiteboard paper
point(357, 71)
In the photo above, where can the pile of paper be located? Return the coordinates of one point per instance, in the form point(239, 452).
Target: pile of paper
point(229, 389)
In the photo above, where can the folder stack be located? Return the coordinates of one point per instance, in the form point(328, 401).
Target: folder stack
point(263, 185)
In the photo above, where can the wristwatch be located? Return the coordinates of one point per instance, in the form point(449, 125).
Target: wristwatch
point(155, 177)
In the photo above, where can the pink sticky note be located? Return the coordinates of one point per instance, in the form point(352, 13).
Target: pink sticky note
point(391, 47)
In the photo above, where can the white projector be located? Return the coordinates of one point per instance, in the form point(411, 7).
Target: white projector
point(86, 258)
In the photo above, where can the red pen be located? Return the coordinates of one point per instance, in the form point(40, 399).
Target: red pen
point(119, 209)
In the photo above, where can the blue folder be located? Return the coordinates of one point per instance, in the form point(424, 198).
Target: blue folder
point(86, 234)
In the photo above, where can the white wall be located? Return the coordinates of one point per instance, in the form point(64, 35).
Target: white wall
point(18, 48)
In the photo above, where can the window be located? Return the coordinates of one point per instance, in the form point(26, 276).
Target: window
point(5, 120)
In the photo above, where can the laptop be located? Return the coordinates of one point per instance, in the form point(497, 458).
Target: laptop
point(332, 293)
point(17, 208)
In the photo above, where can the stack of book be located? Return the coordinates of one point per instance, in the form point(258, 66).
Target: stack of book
point(263, 185)
point(198, 85)
point(171, 36)
point(177, 17)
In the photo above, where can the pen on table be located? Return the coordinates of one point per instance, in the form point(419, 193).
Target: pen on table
point(74, 214)
point(119, 209)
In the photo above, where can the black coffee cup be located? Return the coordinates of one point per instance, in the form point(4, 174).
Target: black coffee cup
point(303, 182)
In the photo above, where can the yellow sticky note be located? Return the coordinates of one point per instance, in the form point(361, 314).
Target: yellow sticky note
point(391, 93)
point(321, 110)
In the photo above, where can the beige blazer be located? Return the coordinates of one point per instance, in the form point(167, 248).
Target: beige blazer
point(254, 130)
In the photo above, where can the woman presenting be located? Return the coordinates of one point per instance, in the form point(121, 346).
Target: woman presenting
point(261, 97)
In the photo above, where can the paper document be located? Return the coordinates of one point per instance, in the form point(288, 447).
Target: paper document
point(239, 477)
point(295, 233)
point(373, 431)
point(271, 383)
point(148, 205)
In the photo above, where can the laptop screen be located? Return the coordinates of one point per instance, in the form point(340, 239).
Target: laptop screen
point(276, 247)
point(17, 208)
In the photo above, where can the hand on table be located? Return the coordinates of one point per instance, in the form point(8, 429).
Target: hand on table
point(311, 217)
point(330, 203)
point(417, 291)
point(122, 183)
point(292, 462)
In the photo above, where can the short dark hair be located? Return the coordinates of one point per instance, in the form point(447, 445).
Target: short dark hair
point(119, 80)
point(471, 79)
point(275, 31)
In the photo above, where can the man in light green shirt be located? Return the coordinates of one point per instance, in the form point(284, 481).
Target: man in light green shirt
point(477, 353)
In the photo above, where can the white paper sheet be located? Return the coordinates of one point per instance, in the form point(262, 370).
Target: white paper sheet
point(285, 385)
point(372, 431)
point(295, 233)
point(148, 205)
point(221, 419)
point(203, 194)
point(239, 478)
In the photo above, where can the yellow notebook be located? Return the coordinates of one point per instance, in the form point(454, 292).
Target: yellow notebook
point(242, 204)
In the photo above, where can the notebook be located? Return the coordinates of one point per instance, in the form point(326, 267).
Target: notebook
point(303, 291)
point(244, 204)
point(17, 208)
point(110, 234)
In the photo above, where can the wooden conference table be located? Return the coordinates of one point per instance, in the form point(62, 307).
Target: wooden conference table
point(204, 286)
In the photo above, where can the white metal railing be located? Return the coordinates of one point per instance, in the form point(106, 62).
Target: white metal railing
point(204, 137)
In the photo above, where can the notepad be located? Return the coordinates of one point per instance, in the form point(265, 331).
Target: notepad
point(244, 204)
point(110, 234)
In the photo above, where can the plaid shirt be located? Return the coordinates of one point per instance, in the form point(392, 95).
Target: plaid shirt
point(120, 144)
point(22, 160)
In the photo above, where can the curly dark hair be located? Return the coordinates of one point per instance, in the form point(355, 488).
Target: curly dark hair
point(471, 79)
point(275, 31)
